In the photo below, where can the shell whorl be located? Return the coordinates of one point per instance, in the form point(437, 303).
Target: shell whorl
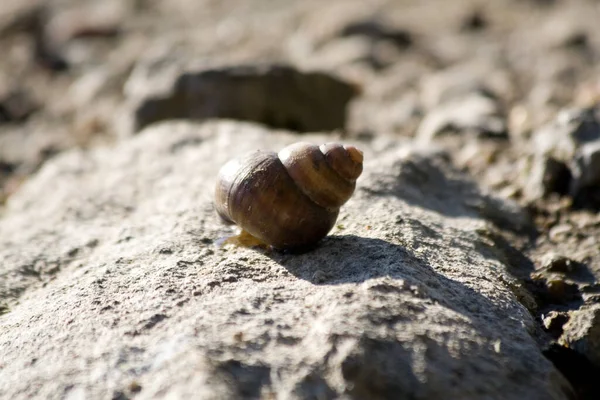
point(288, 199)
point(326, 174)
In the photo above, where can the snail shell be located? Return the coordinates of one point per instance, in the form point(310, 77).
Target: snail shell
point(289, 199)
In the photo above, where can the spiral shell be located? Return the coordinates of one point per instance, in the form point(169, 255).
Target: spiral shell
point(289, 199)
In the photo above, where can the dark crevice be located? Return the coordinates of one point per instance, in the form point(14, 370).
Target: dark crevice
point(578, 370)
point(556, 294)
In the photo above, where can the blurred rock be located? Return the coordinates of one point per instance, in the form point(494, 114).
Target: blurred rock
point(562, 137)
point(558, 263)
point(519, 124)
point(47, 52)
point(585, 168)
point(547, 175)
point(337, 53)
point(26, 146)
point(341, 54)
point(394, 115)
point(390, 101)
point(564, 158)
point(275, 95)
point(476, 77)
point(504, 213)
point(56, 30)
point(30, 17)
point(7, 172)
point(473, 114)
point(16, 106)
point(18, 16)
point(375, 31)
point(588, 92)
point(465, 98)
point(576, 40)
point(474, 22)
point(93, 20)
point(87, 87)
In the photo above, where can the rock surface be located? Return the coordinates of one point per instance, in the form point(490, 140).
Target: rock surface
point(405, 300)
point(564, 156)
point(585, 168)
point(582, 333)
point(474, 113)
point(72, 73)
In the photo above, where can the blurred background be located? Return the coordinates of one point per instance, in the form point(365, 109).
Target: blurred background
point(73, 72)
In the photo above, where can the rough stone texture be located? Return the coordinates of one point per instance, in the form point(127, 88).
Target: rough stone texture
point(473, 113)
point(563, 157)
point(410, 297)
point(582, 332)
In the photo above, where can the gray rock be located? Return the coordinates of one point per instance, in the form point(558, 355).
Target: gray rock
point(390, 103)
point(376, 30)
point(275, 95)
point(16, 106)
point(582, 332)
point(386, 43)
point(561, 264)
point(18, 16)
point(479, 76)
point(562, 158)
point(473, 113)
point(112, 285)
point(465, 98)
point(567, 133)
point(585, 168)
point(547, 175)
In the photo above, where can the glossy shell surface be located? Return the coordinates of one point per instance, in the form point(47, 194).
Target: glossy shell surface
point(291, 199)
